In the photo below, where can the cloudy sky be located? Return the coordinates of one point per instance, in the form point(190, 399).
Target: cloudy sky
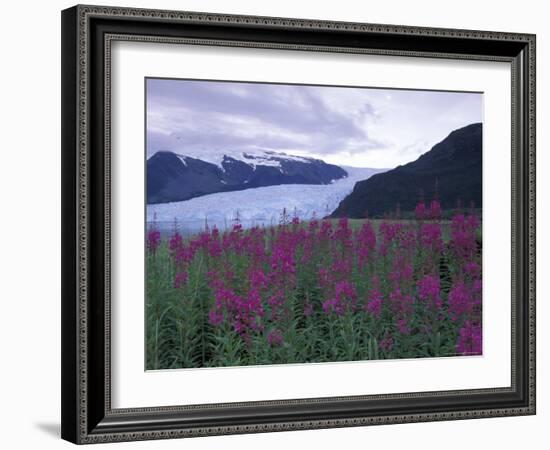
point(362, 127)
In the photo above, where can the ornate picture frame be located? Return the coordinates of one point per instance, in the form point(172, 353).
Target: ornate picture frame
point(88, 33)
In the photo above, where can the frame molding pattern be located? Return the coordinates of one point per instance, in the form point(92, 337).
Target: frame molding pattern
point(84, 14)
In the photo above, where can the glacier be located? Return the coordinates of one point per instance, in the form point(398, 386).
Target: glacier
point(262, 206)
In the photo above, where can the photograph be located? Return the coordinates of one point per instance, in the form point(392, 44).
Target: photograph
point(273, 222)
point(293, 223)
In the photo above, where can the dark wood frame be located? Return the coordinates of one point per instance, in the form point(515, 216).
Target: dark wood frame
point(87, 32)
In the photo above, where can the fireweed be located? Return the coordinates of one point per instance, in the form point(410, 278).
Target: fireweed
point(315, 291)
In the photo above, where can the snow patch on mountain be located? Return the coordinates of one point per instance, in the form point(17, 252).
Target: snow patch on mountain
point(182, 159)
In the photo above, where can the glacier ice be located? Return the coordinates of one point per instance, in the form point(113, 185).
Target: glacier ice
point(256, 206)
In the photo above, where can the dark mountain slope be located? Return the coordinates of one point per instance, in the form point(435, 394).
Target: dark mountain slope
point(172, 177)
point(453, 167)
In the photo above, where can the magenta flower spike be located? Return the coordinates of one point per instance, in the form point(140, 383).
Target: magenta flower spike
point(386, 343)
point(460, 301)
point(275, 338)
point(345, 299)
point(435, 210)
point(469, 340)
point(429, 290)
point(153, 239)
point(420, 211)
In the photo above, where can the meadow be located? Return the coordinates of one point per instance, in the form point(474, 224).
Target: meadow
point(315, 291)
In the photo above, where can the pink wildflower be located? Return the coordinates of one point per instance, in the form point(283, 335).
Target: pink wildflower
point(344, 299)
point(374, 304)
point(420, 211)
point(275, 338)
point(181, 279)
point(153, 240)
point(460, 301)
point(469, 340)
point(386, 343)
point(429, 291)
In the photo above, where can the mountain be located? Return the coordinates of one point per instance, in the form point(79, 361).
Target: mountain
point(452, 167)
point(173, 177)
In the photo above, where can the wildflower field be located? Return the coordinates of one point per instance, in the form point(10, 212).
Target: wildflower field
point(315, 291)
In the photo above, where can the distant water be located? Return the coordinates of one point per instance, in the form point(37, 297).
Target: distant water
point(255, 207)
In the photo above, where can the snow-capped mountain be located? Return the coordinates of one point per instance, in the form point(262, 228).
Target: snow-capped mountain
point(173, 177)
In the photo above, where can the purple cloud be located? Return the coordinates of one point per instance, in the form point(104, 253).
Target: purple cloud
point(334, 123)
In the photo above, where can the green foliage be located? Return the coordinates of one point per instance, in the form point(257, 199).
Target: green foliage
point(180, 335)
